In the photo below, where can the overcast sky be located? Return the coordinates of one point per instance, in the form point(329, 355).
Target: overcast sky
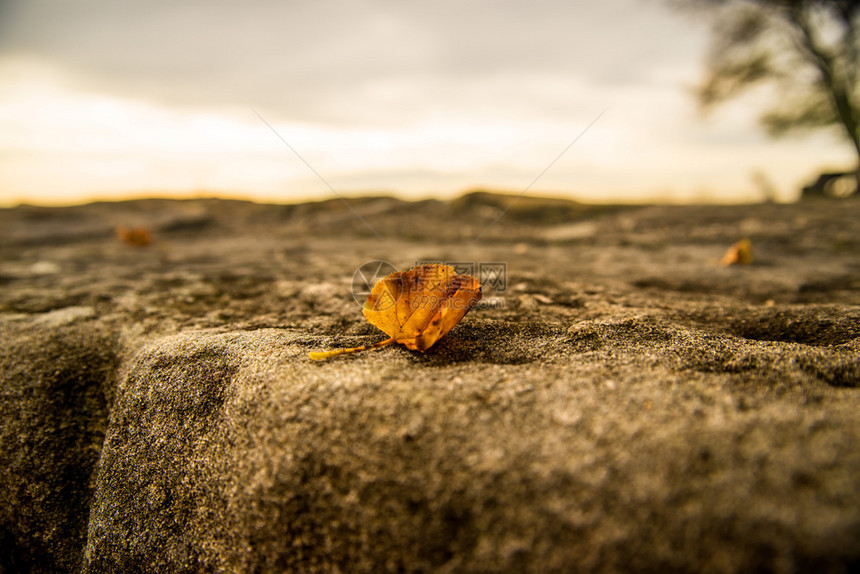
point(107, 99)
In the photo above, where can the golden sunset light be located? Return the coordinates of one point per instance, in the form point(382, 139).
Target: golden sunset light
point(114, 102)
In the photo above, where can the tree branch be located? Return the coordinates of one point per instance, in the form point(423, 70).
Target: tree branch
point(840, 95)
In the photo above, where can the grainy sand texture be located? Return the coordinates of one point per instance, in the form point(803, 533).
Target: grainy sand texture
point(619, 402)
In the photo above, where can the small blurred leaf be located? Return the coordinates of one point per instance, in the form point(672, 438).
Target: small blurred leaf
point(136, 236)
point(738, 254)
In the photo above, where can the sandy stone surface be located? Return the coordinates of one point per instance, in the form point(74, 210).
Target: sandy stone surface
point(618, 402)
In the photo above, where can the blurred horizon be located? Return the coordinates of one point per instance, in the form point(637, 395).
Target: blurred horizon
point(491, 194)
point(103, 102)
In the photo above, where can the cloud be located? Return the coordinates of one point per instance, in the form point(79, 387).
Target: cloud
point(410, 96)
point(346, 61)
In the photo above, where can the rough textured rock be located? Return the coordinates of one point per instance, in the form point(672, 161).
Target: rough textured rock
point(232, 452)
point(56, 383)
point(622, 404)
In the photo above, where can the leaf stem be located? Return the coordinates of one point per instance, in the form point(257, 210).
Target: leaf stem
point(323, 355)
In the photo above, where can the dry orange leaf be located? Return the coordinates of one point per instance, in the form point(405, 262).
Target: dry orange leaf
point(416, 308)
point(738, 254)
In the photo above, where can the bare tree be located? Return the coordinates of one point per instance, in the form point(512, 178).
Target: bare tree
point(806, 49)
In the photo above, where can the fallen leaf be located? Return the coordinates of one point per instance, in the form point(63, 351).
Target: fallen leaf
point(738, 254)
point(417, 307)
point(137, 236)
